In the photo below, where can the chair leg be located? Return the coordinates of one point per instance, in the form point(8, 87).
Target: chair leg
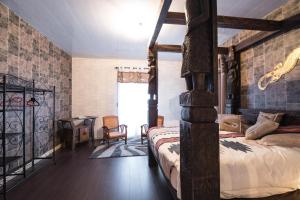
point(142, 139)
point(125, 140)
point(108, 143)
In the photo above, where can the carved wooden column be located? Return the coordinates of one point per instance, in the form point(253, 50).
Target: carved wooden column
point(152, 102)
point(233, 83)
point(199, 135)
point(223, 82)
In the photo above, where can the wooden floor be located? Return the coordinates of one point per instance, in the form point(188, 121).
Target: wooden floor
point(75, 177)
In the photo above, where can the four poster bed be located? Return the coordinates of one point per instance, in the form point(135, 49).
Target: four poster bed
point(192, 170)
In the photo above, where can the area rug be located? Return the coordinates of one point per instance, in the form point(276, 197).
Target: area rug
point(120, 149)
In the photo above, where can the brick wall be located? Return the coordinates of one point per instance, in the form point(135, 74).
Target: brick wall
point(28, 54)
point(255, 62)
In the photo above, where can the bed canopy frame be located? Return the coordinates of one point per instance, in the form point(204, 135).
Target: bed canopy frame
point(199, 139)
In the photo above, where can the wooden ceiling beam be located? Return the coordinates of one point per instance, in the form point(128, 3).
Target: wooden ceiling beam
point(169, 48)
point(248, 23)
point(249, 42)
point(272, 28)
point(288, 24)
point(230, 22)
point(175, 18)
point(223, 50)
point(177, 48)
point(292, 22)
point(162, 14)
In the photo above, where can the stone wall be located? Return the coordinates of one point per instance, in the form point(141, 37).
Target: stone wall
point(255, 62)
point(28, 54)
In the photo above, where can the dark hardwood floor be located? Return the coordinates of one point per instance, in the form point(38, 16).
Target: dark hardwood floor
point(76, 177)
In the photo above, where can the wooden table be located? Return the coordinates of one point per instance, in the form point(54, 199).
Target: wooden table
point(68, 123)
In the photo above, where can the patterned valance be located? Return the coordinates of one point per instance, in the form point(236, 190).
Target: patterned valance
point(133, 77)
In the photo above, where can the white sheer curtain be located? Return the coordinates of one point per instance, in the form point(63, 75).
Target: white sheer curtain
point(132, 106)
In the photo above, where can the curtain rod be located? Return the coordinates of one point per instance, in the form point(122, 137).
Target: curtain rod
point(134, 68)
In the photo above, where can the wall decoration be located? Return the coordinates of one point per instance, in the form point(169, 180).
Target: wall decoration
point(280, 70)
point(27, 54)
point(255, 62)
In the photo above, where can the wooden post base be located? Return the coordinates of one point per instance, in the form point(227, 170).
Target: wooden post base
point(199, 143)
point(151, 159)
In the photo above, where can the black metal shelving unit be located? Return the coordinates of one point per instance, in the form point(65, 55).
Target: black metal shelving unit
point(16, 93)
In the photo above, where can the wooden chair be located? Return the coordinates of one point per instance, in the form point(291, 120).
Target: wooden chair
point(145, 127)
point(112, 130)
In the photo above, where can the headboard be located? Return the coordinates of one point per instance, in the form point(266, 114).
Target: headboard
point(290, 117)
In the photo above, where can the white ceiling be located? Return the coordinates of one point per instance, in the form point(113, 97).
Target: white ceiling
point(119, 28)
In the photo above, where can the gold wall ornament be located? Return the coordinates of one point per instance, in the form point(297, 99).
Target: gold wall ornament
point(280, 70)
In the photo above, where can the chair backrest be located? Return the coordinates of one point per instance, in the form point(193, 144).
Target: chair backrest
point(111, 121)
point(160, 121)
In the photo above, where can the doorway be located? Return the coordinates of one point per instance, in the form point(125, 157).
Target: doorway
point(132, 106)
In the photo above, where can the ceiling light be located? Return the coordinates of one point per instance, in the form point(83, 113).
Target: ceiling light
point(131, 19)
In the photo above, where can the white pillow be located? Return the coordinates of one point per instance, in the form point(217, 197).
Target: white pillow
point(276, 117)
point(260, 129)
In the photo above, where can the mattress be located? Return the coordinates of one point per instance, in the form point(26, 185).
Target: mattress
point(263, 170)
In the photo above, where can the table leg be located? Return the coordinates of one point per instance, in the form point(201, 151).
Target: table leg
point(74, 139)
point(92, 135)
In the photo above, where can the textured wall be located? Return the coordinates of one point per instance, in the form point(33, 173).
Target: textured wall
point(94, 87)
point(26, 53)
point(170, 86)
point(255, 62)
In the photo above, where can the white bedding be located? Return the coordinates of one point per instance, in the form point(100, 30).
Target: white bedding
point(248, 169)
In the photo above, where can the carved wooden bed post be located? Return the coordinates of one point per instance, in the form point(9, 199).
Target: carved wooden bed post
point(199, 134)
point(233, 82)
point(152, 102)
point(223, 82)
